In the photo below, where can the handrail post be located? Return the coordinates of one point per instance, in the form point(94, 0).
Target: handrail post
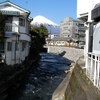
point(91, 70)
point(95, 70)
point(98, 67)
point(86, 63)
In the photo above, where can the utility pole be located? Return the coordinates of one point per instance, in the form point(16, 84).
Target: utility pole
point(50, 32)
point(50, 29)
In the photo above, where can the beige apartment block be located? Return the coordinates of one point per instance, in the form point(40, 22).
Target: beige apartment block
point(75, 29)
point(70, 27)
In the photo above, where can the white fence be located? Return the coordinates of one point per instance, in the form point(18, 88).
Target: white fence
point(93, 68)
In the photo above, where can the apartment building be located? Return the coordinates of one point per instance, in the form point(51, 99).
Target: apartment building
point(17, 38)
point(73, 28)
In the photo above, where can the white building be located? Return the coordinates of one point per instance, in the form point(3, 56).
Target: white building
point(17, 37)
point(88, 11)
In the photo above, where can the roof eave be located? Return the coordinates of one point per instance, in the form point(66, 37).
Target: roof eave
point(22, 9)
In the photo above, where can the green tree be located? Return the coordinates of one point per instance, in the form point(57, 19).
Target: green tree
point(43, 31)
point(2, 26)
point(43, 34)
point(38, 35)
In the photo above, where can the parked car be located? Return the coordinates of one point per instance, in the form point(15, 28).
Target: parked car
point(2, 57)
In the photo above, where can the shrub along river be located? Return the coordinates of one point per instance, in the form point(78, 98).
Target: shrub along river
point(43, 79)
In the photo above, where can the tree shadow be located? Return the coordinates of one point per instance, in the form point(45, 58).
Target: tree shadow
point(62, 53)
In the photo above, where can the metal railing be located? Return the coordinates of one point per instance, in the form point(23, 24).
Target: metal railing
point(93, 68)
point(11, 27)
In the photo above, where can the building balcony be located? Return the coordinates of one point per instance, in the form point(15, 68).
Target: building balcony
point(81, 28)
point(80, 34)
point(11, 27)
point(25, 37)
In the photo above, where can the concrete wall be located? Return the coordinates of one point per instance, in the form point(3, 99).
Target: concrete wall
point(96, 39)
point(71, 53)
point(76, 86)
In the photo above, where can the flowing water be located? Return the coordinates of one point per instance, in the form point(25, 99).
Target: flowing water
point(42, 80)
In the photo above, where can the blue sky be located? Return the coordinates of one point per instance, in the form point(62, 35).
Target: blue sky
point(55, 10)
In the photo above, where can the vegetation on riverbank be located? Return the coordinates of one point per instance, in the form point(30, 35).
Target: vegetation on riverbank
point(38, 35)
point(2, 25)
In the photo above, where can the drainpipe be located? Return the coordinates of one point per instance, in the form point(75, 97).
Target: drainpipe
point(90, 37)
point(15, 50)
point(17, 39)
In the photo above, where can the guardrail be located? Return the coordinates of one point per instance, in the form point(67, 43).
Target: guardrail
point(11, 27)
point(93, 68)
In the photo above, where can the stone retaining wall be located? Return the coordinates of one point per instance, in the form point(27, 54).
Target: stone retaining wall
point(76, 86)
point(71, 53)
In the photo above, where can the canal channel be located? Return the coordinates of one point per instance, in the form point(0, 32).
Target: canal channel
point(43, 79)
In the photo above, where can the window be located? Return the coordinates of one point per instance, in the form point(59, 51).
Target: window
point(68, 23)
point(76, 30)
point(23, 46)
point(16, 46)
point(21, 22)
point(9, 19)
point(9, 46)
point(1, 46)
point(76, 24)
point(69, 30)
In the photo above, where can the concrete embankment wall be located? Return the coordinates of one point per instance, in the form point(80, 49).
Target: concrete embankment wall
point(76, 86)
point(71, 53)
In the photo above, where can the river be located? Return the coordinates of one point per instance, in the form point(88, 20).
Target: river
point(43, 79)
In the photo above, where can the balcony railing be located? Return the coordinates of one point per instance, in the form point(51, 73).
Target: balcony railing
point(11, 27)
point(93, 68)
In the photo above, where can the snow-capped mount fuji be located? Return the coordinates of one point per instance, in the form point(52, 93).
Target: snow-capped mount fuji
point(52, 27)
